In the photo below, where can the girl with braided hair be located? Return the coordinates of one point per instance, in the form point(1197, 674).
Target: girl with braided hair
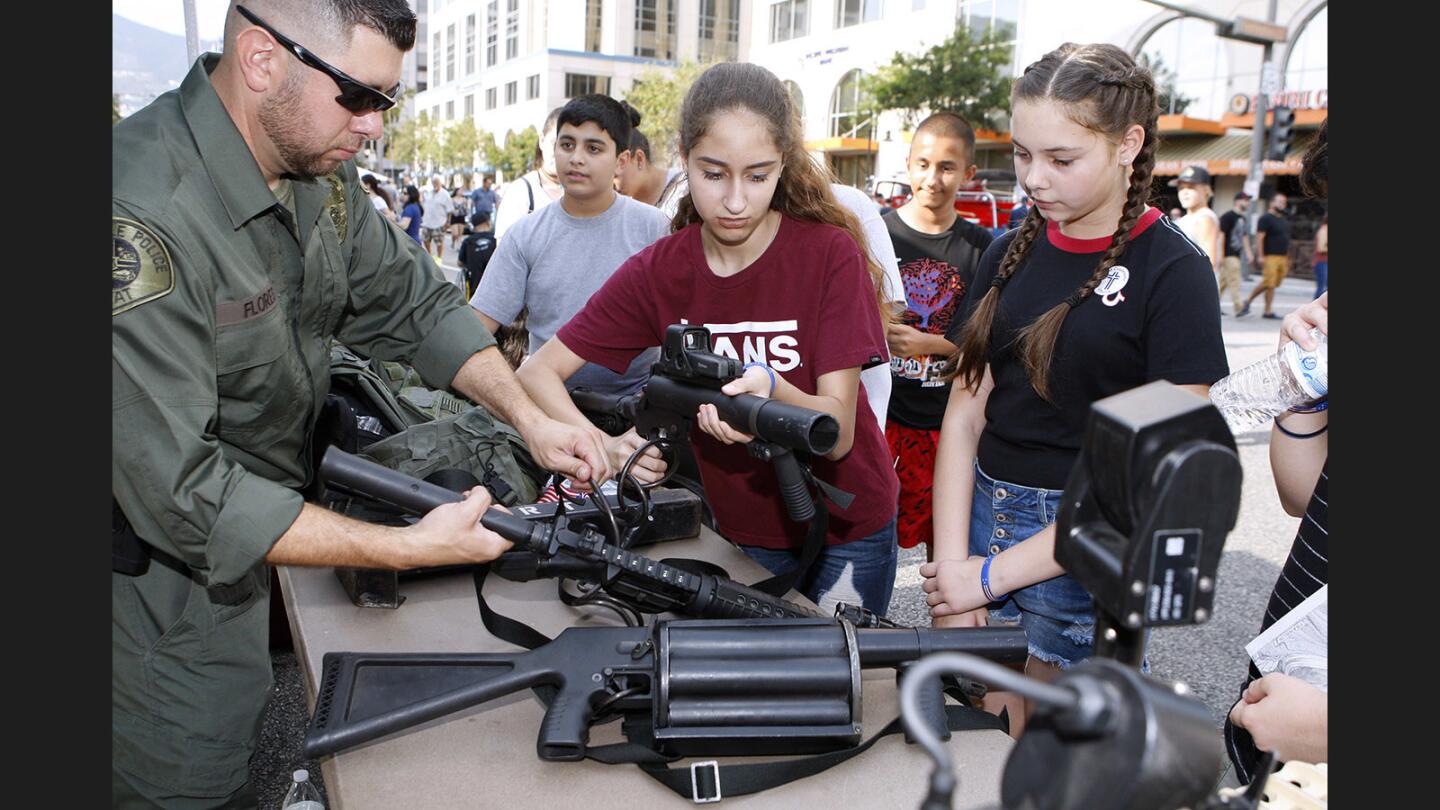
point(764, 256)
point(1094, 294)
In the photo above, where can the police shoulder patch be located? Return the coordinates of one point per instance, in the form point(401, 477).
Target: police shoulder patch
point(335, 206)
point(142, 270)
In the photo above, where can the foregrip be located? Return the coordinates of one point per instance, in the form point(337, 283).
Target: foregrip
point(799, 505)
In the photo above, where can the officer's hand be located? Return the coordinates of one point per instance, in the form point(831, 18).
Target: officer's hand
point(648, 468)
point(451, 534)
point(953, 586)
point(575, 452)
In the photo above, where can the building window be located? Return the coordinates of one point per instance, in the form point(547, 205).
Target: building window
point(469, 44)
point(578, 84)
point(854, 12)
point(435, 57)
point(510, 93)
point(512, 28)
point(492, 31)
point(449, 111)
point(719, 30)
point(532, 87)
point(435, 113)
point(592, 25)
point(470, 106)
point(789, 19)
point(796, 97)
point(848, 116)
point(490, 99)
point(1000, 16)
point(655, 28)
point(450, 53)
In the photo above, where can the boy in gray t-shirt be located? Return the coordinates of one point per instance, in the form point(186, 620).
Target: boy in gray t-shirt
point(554, 259)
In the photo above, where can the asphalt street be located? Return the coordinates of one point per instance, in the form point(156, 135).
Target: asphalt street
point(1209, 658)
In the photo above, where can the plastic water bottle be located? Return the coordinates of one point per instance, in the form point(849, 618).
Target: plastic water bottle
point(303, 795)
point(1252, 396)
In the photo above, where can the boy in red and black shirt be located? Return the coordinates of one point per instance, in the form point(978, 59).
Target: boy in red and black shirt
point(938, 252)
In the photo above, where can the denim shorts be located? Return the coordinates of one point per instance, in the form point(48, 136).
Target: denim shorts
point(1058, 614)
point(860, 572)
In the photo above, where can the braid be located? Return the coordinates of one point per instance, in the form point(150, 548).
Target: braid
point(1037, 341)
point(969, 363)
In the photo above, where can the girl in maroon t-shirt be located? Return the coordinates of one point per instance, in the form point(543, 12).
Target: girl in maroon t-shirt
point(765, 257)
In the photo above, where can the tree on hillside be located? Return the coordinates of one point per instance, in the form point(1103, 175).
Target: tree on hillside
point(114, 109)
point(965, 74)
point(657, 94)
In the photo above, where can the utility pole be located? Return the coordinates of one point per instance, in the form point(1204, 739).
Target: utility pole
point(192, 33)
point(1265, 33)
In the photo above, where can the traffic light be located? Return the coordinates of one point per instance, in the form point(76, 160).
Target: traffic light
point(1282, 132)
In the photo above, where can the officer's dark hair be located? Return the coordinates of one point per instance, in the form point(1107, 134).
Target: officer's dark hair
point(949, 125)
point(615, 118)
point(334, 20)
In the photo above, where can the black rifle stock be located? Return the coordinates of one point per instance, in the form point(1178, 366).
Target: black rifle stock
point(655, 585)
point(710, 687)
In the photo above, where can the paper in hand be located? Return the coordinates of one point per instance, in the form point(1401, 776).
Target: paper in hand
point(1297, 644)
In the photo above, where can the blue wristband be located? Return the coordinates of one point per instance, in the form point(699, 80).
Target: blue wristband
point(769, 371)
point(985, 580)
point(1315, 407)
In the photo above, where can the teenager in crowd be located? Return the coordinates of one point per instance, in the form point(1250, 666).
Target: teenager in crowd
point(411, 213)
point(536, 188)
point(1279, 712)
point(552, 262)
point(642, 178)
point(1094, 294)
point(763, 256)
point(938, 252)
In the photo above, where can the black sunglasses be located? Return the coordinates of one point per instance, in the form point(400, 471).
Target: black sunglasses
point(355, 96)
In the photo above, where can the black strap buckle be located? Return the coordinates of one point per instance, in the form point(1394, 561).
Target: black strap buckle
point(705, 782)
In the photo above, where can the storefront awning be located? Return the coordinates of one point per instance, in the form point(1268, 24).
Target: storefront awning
point(1224, 155)
point(843, 146)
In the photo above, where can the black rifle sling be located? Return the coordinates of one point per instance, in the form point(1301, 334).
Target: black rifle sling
point(780, 584)
point(501, 626)
point(740, 780)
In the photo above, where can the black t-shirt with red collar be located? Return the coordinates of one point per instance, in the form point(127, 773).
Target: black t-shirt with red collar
point(1156, 316)
point(806, 307)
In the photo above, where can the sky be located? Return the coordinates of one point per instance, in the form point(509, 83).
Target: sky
point(169, 15)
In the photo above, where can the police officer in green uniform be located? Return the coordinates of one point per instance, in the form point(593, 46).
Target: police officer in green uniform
point(243, 242)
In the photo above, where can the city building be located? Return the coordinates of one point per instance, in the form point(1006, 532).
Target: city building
point(506, 63)
point(822, 48)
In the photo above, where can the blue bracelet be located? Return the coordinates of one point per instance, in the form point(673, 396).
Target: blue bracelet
point(769, 371)
point(985, 580)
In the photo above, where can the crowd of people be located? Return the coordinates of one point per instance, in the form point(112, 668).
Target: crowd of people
point(960, 365)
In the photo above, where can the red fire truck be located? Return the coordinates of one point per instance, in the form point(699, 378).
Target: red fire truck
point(975, 201)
